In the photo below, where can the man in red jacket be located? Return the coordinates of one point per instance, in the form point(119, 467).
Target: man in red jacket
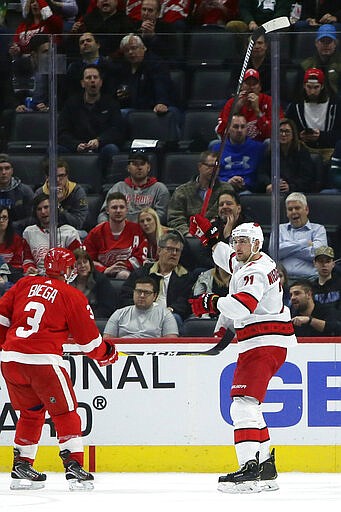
point(254, 105)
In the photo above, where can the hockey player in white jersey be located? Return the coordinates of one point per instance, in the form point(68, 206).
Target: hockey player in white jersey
point(264, 330)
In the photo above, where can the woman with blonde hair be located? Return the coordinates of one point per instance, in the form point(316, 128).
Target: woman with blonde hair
point(152, 228)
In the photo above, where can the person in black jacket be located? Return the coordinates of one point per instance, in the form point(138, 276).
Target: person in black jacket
point(297, 173)
point(173, 280)
point(91, 122)
point(95, 285)
point(308, 317)
point(143, 79)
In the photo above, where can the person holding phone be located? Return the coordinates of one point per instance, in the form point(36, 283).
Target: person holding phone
point(317, 114)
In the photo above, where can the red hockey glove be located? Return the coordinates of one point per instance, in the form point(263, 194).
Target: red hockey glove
point(201, 228)
point(111, 355)
point(206, 303)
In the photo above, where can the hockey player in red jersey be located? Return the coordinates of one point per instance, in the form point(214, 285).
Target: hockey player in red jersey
point(36, 317)
point(263, 329)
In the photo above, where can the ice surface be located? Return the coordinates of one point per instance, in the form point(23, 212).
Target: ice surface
point(174, 492)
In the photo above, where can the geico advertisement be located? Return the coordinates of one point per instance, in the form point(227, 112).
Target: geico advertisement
point(185, 400)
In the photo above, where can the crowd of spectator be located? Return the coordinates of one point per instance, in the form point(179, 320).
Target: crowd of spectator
point(120, 56)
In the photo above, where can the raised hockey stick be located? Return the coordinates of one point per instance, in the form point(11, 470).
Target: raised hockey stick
point(163, 346)
point(269, 26)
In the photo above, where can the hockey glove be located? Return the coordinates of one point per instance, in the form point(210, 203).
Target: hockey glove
point(206, 303)
point(201, 228)
point(111, 355)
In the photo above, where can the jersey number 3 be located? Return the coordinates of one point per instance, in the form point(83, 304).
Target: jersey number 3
point(33, 321)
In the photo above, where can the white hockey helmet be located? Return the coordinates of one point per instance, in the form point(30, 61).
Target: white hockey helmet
point(251, 230)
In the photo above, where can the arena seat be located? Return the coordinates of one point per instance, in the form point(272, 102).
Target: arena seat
point(199, 129)
point(85, 171)
point(210, 88)
point(30, 132)
point(28, 168)
point(146, 124)
point(212, 49)
point(199, 327)
point(177, 168)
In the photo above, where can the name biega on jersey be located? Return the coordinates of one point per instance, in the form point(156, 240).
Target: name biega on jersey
point(42, 290)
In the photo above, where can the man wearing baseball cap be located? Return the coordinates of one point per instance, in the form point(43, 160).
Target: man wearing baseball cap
point(326, 57)
point(318, 115)
point(327, 286)
point(254, 105)
point(140, 189)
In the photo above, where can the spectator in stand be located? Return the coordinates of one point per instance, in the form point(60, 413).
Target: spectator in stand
point(151, 226)
point(254, 105)
point(140, 189)
point(145, 318)
point(215, 280)
point(108, 22)
point(117, 246)
point(175, 14)
point(11, 245)
point(91, 121)
point(95, 285)
point(214, 12)
point(317, 116)
point(296, 165)
point(72, 201)
point(327, 57)
point(188, 198)
point(26, 69)
point(241, 157)
point(89, 54)
point(156, 35)
point(254, 13)
point(327, 286)
point(146, 79)
point(38, 19)
point(299, 238)
point(5, 282)
point(14, 194)
point(308, 317)
point(67, 9)
point(315, 13)
point(230, 214)
point(37, 237)
point(173, 280)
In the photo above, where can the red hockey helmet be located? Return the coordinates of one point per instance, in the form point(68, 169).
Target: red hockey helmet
point(58, 260)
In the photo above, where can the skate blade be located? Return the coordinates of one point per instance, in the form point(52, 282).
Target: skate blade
point(22, 484)
point(269, 485)
point(240, 488)
point(80, 485)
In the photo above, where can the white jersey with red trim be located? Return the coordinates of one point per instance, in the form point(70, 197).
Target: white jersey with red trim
point(255, 301)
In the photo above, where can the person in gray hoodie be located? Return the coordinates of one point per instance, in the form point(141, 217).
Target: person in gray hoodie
point(140, 189)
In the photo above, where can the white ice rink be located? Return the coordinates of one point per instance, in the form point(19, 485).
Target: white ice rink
point(174, 492)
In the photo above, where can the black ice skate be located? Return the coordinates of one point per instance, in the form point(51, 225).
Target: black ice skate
point(245, 480)
point(77, 477)
point(268, 474)
point(24, 476)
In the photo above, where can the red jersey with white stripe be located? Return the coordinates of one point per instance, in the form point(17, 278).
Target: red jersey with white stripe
point(173, 10)
point(255, 301)
point(133, 9)
point(36, 316)
point(130, 246)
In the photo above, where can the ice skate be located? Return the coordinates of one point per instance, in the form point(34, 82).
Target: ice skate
point(268, 474)
point(246, 480)
point(24, 476)
point(77, 477)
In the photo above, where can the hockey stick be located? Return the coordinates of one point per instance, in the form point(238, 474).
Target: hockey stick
point(269, 26)
point(162, 346)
